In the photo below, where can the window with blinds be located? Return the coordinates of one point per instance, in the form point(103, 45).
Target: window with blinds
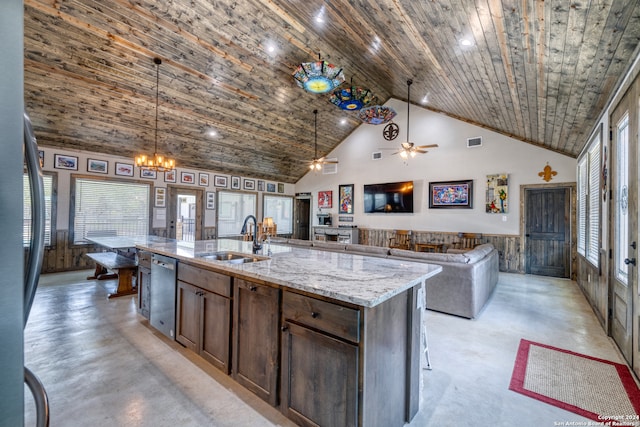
point(49, 195)
point(280, 208)
point(233, 208)
point(589, 202)
point(109, 208)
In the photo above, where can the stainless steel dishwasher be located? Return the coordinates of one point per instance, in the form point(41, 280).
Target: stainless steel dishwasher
point(162, 310)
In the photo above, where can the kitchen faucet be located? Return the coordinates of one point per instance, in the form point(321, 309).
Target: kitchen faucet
point(256, 246)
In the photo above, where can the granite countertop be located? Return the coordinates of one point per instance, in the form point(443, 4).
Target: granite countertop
point(361, 280)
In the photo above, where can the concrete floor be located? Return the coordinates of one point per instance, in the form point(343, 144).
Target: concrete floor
point(103, 365)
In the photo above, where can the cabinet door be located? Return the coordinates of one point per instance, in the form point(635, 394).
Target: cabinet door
point(319, 378)
point(216, 330)
point(256, 334)
point(188, 315)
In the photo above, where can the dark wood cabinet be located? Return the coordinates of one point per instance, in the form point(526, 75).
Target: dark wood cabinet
point(143, 282)
point(256, 338)
point(203, 315)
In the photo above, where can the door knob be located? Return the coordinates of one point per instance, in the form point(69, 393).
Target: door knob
point(633, 245)
point(630, 261)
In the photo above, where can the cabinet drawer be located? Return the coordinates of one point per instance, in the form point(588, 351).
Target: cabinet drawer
point(332, 318)
point(144, 259)
point(205, 279)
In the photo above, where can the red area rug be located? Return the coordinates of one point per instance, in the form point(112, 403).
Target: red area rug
point(594, 388)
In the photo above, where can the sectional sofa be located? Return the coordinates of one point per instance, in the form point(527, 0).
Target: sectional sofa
point(463, 287)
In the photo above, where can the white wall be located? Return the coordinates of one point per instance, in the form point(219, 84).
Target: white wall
point(159, 214)
point(452, 160)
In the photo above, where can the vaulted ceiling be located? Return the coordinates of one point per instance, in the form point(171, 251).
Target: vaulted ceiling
point(539, 71)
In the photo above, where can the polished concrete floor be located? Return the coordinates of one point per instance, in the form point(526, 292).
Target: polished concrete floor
point(103, 365)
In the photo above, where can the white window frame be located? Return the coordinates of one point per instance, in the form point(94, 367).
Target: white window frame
point(50, 192)
point(233, 207)
point(589, 176)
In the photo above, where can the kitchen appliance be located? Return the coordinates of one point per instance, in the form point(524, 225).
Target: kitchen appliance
point(162, 307)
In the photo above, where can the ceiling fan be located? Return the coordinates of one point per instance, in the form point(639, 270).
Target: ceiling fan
point(316, 163)
point(409, 149)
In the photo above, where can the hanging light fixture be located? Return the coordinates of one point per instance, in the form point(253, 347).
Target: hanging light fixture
point(316, 163)
point(318, 76)
point(376, 114)
point(409, 149)
point(351, 98)
point(156, 162)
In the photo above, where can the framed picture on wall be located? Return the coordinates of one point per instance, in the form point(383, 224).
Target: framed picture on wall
point(97, 166)
point(260, 185)
point(147, 174)
point(280, 187)
point(170, 176)
point(220, 181)
point(235, 182)
point(61, 161)
point(160, 199)
point(124, 169)
point(203, 179)
point(325, 199)
point(345, 195)
point(249, 184)
point(451, 194)
point(271, 187)
point(211, 200)
point(188, 178)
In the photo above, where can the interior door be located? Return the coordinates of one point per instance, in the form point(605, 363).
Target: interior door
point(184, 213)
point(302, 218)
point(548, 232)
point(624, 225)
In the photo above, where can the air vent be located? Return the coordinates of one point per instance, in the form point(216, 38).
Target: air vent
point(329, 168)
point(376, 156)
point(474, 142)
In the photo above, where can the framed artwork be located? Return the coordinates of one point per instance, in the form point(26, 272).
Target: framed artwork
point(271, 187)
point(211, 200)
point(188, 178)
point(97, 166)
point(220, 181)
point(280, 187)
point(249, 184)
point(497, 197)
point(147, 174)
point(170, 176)
point(41, 157)
point(260, 185)
point(124, 169)
point(451, 194)
point(61, 161)
point(161, 197)
point(203, 179)
point(235, 182)
point(345, 194)
point(324, 199)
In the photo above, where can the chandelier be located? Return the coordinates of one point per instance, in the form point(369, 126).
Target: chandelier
point(318, 76)
point(156, 162)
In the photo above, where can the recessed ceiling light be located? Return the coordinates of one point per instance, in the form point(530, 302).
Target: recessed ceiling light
point(466, 42)
point(343, 121)
point(212, 133)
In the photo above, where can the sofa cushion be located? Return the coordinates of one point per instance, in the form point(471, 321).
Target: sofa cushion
point(367, 250)
point(479, 252)
point(429, 256)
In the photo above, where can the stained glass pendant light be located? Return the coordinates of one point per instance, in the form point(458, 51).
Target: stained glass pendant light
point(376, 114)
point(156, 162)
point(351, 98)
point(318, 76)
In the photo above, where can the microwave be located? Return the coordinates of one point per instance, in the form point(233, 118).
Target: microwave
point(324, 219)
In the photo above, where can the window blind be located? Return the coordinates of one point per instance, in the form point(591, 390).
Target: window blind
point(27, 213)
point(109, 208)
point(593, 233)
point(582, 205)
point(233, 208)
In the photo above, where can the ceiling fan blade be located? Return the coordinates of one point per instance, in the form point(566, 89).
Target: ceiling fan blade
point(427, 146)
point(420, 151)
point(330, 162)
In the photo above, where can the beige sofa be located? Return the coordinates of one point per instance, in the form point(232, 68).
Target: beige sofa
point(462, 288)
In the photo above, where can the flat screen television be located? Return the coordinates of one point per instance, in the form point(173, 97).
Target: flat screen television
point(392, 197)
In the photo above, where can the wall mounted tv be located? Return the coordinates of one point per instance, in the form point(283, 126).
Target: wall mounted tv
point(392, 197)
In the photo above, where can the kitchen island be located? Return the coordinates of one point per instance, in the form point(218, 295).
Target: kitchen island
point(328, 338)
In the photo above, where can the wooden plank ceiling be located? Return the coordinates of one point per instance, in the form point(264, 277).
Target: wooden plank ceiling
point(540, 71)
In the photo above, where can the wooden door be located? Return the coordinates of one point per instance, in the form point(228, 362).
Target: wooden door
point(623, 211)
point(216, 330)
point(548, 232)
point(302, 218)
point(333, 399)
point(256, 311)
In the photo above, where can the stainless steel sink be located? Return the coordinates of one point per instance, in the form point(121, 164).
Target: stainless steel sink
point(232, 257)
